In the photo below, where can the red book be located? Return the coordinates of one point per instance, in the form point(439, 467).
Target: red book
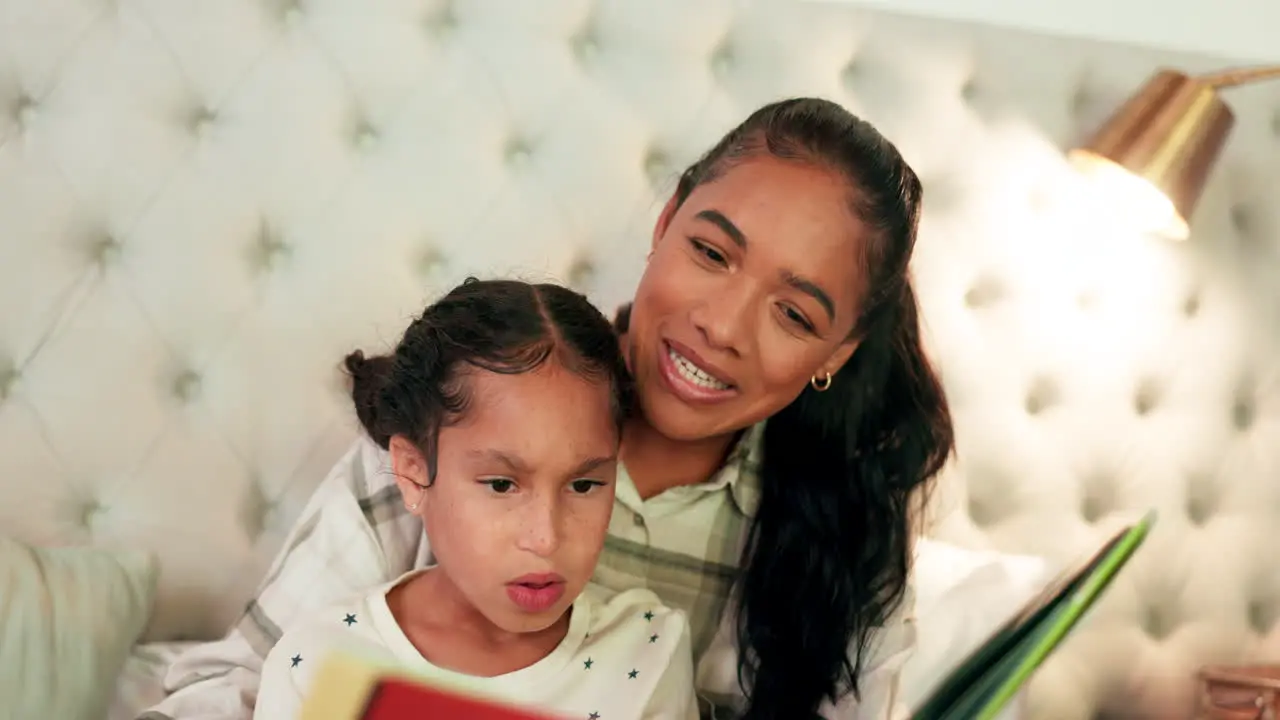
point(347, 688)
point(396, 699)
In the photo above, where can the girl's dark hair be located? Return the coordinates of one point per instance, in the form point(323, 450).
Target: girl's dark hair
point(829, 551)
point(503, 326)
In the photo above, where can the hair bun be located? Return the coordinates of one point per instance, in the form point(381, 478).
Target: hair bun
point(355, 363)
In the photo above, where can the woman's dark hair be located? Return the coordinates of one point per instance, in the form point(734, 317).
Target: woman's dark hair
point(503, 326)
point(829, 551)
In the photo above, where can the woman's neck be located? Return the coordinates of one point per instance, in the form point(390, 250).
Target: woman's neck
point(657, 463)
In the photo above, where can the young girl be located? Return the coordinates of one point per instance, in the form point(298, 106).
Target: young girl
point(501, 409)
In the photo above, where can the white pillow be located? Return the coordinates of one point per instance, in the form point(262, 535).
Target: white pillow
point(68, 618)
point(962, 596)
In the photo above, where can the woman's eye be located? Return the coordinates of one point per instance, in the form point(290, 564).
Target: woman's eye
point(501, 486)
point(583, 487)
point(708, 252)
point(796, 317)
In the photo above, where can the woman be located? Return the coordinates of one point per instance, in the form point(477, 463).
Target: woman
point(777, 290)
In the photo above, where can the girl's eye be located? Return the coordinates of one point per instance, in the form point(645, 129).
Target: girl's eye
point(583, 487)
point(501, 486)
point(708, 252)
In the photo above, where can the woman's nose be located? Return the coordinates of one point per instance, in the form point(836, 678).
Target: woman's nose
point(724, 319)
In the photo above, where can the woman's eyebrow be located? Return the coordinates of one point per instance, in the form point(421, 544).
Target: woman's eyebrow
point(717, 218)
point(810, 288)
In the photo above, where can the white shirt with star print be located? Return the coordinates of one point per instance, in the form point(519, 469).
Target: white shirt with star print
point(624, 658)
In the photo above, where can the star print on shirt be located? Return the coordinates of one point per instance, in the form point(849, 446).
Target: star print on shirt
point(593, 716)
point(587, 665)
point(648, 615)
point(632, 675)
point(349, 620)
point(296, 660)
point(653, 638)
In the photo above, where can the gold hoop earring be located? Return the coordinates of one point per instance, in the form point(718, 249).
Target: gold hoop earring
point(821, 385)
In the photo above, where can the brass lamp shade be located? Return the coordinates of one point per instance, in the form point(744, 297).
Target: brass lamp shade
point(1156, 151)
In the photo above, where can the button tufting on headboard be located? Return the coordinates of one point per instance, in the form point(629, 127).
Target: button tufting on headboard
point(1263, 614)
point(1100, 491)
point(105, 250)
point(581, 273)
point(517, 151)
point(1191, 303)
point(8, 377)
point(985, 291)
point(658, 167)
point(365, 135)
point(430, 261)
point(201, 120)
point(442, 19)
point(1161, 617)
point(90, 514)
point(1203, 498)
point(1042, 395)
point(1147, 396)
point(1245, 220)
point(722, 58)
point(255, 509)
point(269, 249)
point(186, 386)
point(288, 11)
point(1242, 412)
point(585, 43)
point(852, 70)
point(23, 110)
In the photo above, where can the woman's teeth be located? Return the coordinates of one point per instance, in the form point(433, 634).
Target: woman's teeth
point(693, 373)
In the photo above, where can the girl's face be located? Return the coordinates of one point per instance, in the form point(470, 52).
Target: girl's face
point(751, 290)
point(524, 489)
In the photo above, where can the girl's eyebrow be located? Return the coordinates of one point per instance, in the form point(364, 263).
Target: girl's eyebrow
point(592, 463)
point(517, 465)
point(512, 462)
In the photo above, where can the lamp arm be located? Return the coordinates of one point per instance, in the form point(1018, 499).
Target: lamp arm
point(1241, 76)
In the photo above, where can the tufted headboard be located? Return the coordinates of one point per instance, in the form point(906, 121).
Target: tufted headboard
point(203, 206)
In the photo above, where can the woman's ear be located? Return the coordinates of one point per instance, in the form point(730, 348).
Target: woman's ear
point(664, 222)
point(410, 468)
point(842, 353)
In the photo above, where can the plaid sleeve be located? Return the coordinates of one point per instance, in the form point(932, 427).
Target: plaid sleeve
point(353, 534)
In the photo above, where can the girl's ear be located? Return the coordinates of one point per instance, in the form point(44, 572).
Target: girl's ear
point(410, 468)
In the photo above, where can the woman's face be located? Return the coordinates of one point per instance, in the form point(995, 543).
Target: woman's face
point(751, 290)
point(519, 510)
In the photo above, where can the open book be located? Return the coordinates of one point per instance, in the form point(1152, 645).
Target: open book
point(348, 688)
point(984, 683)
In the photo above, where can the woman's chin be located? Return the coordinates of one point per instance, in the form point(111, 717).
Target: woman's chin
point(677, 421)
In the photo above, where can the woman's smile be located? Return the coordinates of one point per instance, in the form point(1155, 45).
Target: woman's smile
point(690, 378)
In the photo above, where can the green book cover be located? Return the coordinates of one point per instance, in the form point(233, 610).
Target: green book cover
point(982, 685)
